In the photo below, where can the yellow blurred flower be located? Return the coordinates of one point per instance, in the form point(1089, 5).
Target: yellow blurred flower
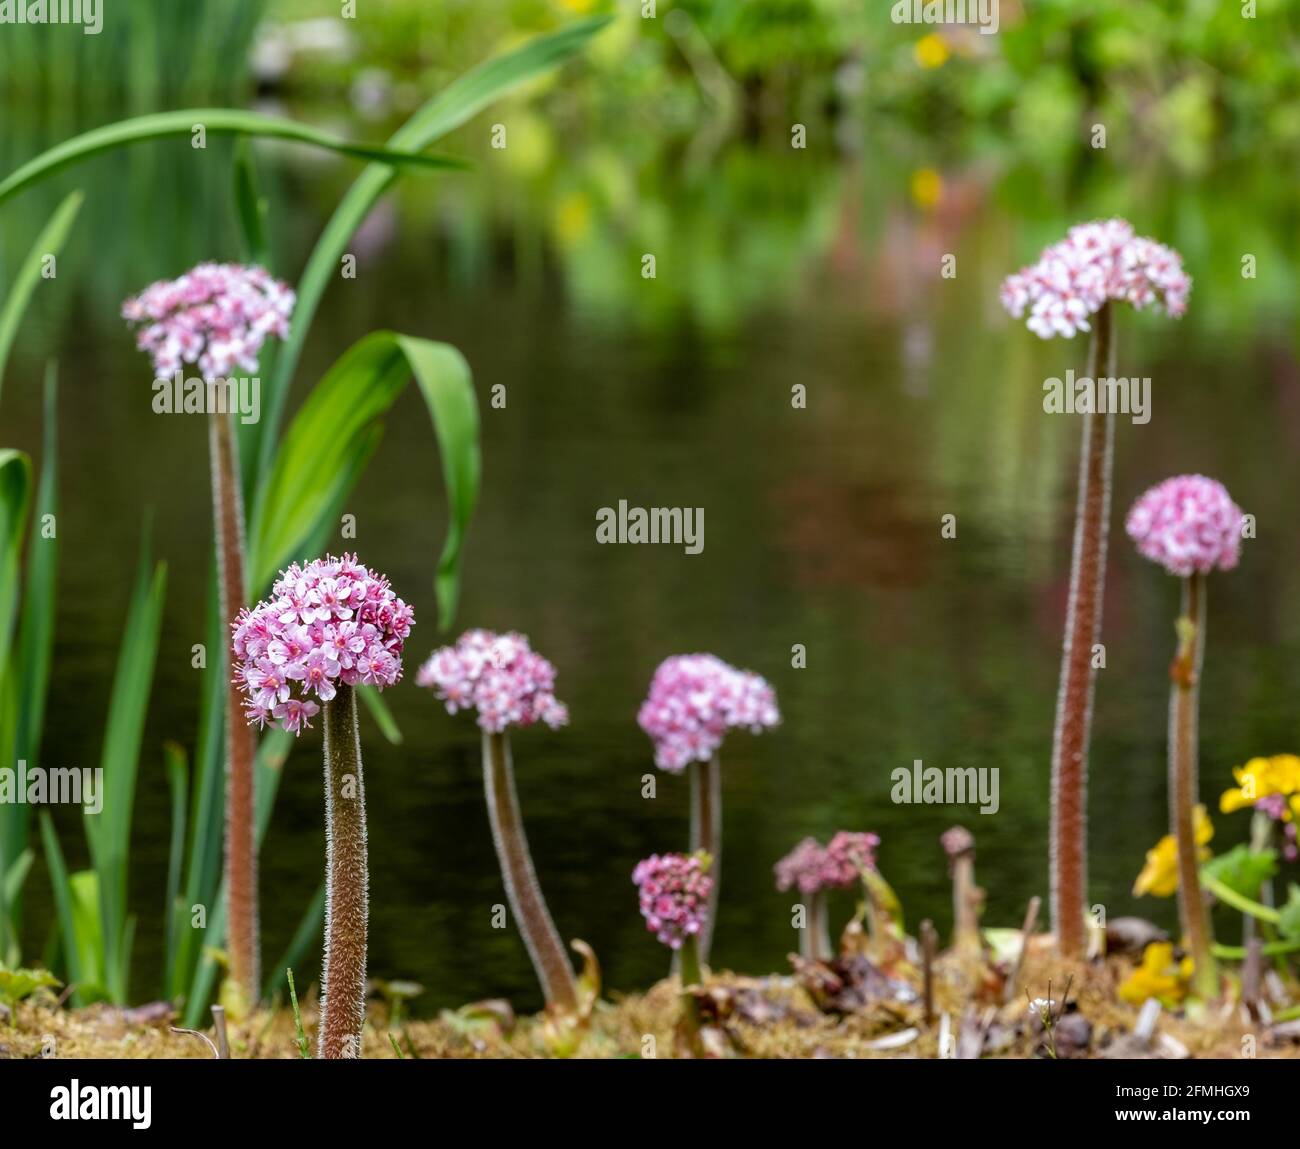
point(927, 187)
point(1160, 875)
point(1158, 976)
point(579, 6)
point(573, 218)
point(931, 51)
point(1262, 778)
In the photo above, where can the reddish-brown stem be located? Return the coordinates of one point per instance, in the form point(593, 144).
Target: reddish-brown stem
point(1069, 877)
point(241, 847)
point(541, 938)
point(706, 835)
point(343, 986)
point(1184, 703)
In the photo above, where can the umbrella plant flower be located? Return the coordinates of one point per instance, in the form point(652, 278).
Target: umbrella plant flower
point(217, 317)
point(813, 870)
point(1190, 526)
point(326, 628)
point(1072, 288)
point(674, 892)
point(694, 700)
point(502, 679)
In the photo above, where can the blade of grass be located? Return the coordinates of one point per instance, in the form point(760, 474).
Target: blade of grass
point(49, 242)
point(109, 831)
point(379, 711)
point(178, 786)
point(309, 929)
point(61, 886)
point(214, 122)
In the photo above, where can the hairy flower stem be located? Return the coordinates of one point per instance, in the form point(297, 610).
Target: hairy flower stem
point(343, 987)
point(706, 835)
point(1069, 877)
point(533, 918)
point(241, 847)
point(815, 937)
point(1184, 702)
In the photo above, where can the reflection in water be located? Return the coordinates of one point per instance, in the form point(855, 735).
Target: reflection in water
point(773, 268)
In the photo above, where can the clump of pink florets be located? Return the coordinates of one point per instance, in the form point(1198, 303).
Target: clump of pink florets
point(217, 315)
point(1095, 263)
point(330, 621)
point(498, 675)
point(694, 700)
point(674, 893)
point(811, 867)
point(1187, 523)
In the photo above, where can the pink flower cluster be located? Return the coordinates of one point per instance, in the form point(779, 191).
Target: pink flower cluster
point(498, 675)
point(1187, 523)
point(330, 621)
point(217, 315)
point(1275, 806)
point(694, 700)
point(811, 867)
point(1095, 263)
point(674, 891)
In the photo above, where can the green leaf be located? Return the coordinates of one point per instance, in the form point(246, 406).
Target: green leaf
point(215, 122)
point(383, 717)
point(1242, 871)
point(250, 206)
point(336, 419)
point(109, 832)
point(36, 628)
point(49, 242)
point(61, 886)
point(451, 108)
point(308, 931)
point(178, 786)
point(15, 489)
point(1288, 923)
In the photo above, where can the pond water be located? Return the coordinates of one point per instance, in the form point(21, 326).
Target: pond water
point(822, 524)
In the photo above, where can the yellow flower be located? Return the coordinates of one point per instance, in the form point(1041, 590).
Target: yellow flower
point(573, 218)
point(931, 51)
point(579, 6)
point(927, 187)
point(1261, 778)
point(1160, 875)
point(1158, 976)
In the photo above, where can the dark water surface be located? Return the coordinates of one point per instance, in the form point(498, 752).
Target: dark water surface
point(822, 526)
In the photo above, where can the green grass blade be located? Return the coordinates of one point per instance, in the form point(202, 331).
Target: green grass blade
point(49, 242)
point(109, 832)
point(215, 122)
point(379, 711)
point(454, 106)
point(250, 207)
point(178, 786)
point(342, 408)
point(269, 769)
point(36, 628)
point(61, 887)
point(308, 931)
point(15, 494)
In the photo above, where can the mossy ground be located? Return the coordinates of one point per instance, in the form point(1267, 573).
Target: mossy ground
point(770, 1016)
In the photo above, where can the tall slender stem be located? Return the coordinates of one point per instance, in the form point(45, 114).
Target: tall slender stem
point(1184, 703)
point(343, 1008)
point(706, 835)
point(819, 928)
point(533, 918)
point(241, 846)
point(1069, 878)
